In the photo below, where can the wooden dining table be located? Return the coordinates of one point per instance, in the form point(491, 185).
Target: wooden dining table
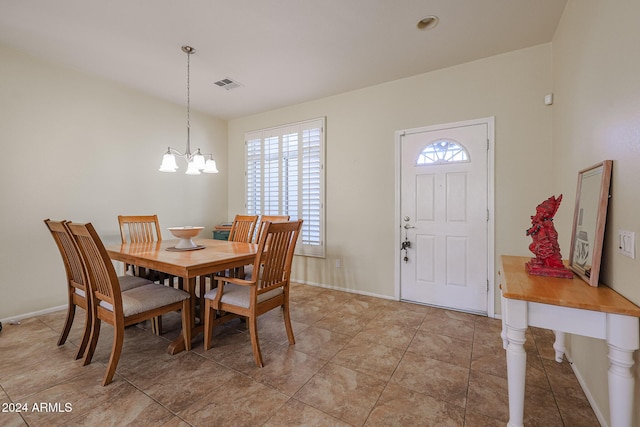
point(189, 265)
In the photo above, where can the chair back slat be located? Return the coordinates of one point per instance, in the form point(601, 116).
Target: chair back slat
point(275, 254)
point(242, 228)
point(69, 252)
point(139, 228)
point(270, 218)
point(103, 280)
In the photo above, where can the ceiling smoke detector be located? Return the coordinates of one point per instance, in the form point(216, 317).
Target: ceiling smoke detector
point(227, 84)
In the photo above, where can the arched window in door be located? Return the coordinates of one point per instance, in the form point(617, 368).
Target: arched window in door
point(442, 151)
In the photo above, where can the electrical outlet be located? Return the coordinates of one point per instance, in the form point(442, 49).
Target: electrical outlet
point(627, 243)
point(338, 263)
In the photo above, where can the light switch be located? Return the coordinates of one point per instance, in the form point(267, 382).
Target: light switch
point(627, 243)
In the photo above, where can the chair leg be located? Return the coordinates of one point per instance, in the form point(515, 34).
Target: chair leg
point(202, 289)
point(116, 350)
point(186, 324)
point(71, 312)
point(208, 323)
point(93, 340)
point(156, 325)
point(253, 331)
point(287, 323)
point(85, 335)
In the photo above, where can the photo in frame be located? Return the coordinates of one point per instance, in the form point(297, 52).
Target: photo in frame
point(589, 220)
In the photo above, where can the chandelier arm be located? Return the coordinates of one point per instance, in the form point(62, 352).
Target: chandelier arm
point(176, 152)
point(187, 155)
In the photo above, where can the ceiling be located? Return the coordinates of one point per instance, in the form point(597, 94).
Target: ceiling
point(282, 52)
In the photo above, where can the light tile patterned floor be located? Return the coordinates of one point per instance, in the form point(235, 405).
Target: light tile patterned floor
point(357, 361)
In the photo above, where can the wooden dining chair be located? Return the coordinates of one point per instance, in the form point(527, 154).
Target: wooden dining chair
point(248, 269)
point(139, 229)
point(267, 289)
point(242, 228)
point(77, 289)
point(121, 309)
point(76, 283)
point(269, 218)
point(143, 229)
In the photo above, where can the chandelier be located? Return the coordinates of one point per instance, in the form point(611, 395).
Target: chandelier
point(196, 162)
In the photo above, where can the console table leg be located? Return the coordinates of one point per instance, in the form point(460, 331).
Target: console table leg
point(620, 386)
point(503, 332)
point(558, 346)
point(622, 339)
point(516, 371)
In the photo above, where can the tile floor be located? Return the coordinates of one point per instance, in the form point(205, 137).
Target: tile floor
point(357, 361)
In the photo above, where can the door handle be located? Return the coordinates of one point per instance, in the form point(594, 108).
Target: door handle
point(407, 226)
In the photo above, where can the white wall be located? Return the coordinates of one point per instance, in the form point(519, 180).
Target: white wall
point(80, 148)
point(596, 116)
point(360, 158)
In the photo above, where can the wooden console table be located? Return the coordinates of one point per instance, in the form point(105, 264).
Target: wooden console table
point(567, 306)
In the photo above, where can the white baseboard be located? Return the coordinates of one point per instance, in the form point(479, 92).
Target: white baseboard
point(338, 288)
point(370, 294)
point(596, 409)
point(20, 317)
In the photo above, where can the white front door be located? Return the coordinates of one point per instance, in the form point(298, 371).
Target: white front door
point(444, 216)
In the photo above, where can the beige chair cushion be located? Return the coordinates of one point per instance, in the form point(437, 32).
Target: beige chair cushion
point(148, 297)
point(130, 282)
point(126, 283)
point(240, 295)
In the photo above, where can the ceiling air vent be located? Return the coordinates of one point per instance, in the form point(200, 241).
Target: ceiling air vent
point(227, 84)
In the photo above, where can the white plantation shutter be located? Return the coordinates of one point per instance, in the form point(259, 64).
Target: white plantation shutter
point(285, 176)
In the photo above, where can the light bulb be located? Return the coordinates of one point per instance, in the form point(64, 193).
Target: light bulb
point(198, 160)
point(192, 169)
point(210, 166)
point(168, 163)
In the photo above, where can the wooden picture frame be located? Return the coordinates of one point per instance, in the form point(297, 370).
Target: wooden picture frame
point(589, 219)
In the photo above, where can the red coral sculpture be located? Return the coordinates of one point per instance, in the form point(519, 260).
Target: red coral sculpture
point(548, 260)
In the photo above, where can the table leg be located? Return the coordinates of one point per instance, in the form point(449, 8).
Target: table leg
point(503, 332)
point(177, 345)
point(516, 320)
point(622, 339)
point(558, 346)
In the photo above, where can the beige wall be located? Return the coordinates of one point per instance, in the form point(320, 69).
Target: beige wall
point(360, 177)
point(59, 128)
point(80, 148)
point(596, 116)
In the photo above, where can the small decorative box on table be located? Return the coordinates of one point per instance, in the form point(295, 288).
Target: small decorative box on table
point(221, 232)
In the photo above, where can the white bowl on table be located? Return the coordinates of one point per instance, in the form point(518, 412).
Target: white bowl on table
point(185, 234)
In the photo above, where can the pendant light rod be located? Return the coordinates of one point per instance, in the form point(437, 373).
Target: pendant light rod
point(197, 162)
point(189, 51)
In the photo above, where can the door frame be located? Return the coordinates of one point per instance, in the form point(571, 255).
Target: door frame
point(490, 123)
